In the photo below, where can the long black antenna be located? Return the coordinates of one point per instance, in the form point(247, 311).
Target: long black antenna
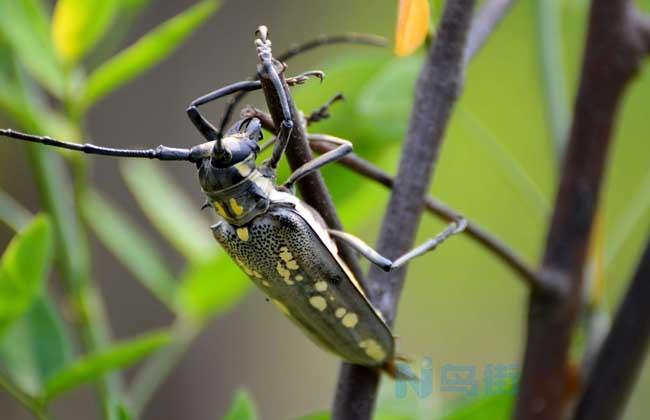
point(160, 152)
point(323, 40)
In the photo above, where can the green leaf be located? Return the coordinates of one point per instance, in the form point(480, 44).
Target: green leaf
point(23, 268)
point(89, 368)
point(242, 407)
point(25, 26)
point(169, 209)
point(125, 240)
point(322, 415)
point(36, 346)
point(498, 406)
point(146, 52)
point(12, 213)
point(212, 287)
point(77, 25)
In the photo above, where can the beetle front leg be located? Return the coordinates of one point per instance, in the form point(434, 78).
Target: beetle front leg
point(200, 122)
point(344, 147)
point(386, 264)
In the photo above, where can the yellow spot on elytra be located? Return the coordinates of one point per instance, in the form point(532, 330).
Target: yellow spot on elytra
point(281, 307)
point(243, 233)
point(236, 208)
point(220, 211)
point(284, 273)
point(285, 254)
point(321, 286)
point(286, 264)
point(318, 302)
point(373, 349)
point(350, 320)
point(299, 277)
point(266, 283)
point(340, 312)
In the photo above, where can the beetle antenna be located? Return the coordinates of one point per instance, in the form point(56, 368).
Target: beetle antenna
point(321, 41)
point(160, 152)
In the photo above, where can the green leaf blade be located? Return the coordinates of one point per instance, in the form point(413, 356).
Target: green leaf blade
point(242, 407)
point(23, 269)
point(91, 367)
point(167, 207)
point(146, 52)
point(123, 238)
point(77, 25)
point(36, 346)
point(25, 26)
point(212, 288)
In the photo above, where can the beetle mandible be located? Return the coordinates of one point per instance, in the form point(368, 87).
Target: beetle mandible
point(279, 241)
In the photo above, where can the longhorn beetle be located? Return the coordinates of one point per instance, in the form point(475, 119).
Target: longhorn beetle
point(279, 241)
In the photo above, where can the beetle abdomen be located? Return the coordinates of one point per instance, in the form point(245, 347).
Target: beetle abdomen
point(281, 252)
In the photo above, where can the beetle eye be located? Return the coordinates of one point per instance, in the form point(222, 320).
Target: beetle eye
point(221, 158)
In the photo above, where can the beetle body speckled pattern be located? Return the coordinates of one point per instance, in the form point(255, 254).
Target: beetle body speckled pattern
point(281, 243)
point(288, 254)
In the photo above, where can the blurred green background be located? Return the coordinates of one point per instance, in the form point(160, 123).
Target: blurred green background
point(499, 167)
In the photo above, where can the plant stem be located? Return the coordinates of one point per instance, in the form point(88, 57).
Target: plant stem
point(612, 57)
point(26, 400)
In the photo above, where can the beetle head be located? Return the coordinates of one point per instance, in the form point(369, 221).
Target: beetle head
point(233, 158)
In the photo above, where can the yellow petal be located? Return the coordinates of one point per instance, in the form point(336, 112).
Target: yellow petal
point(412, 25)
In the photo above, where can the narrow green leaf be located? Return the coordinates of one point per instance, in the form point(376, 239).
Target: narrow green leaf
point(125, 240)
point(77, 25)
point(23, 268)
point(212, 287)
point(490, 407)
point(133, 6)
point(25, 26)
point(12, 213)
point(146, 52)
point(242, 407)
point(89, 368)
point(35, 346)
point(322, 415)
point(169, 209)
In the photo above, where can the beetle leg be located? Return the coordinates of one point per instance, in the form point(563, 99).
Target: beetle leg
point(344, 147)
point(201, 123)
point(386, 264)
point(267, 70)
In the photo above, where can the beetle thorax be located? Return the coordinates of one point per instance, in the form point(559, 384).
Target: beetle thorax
point(238, 193)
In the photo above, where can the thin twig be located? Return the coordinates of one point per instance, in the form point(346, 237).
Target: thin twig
point(485, 22)
point(612, 57)
point(498, 248)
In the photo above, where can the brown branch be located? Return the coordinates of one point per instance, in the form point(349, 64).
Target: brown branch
point(437, 88)
point(612, 57)
point(619, 362)
point(499, 249)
